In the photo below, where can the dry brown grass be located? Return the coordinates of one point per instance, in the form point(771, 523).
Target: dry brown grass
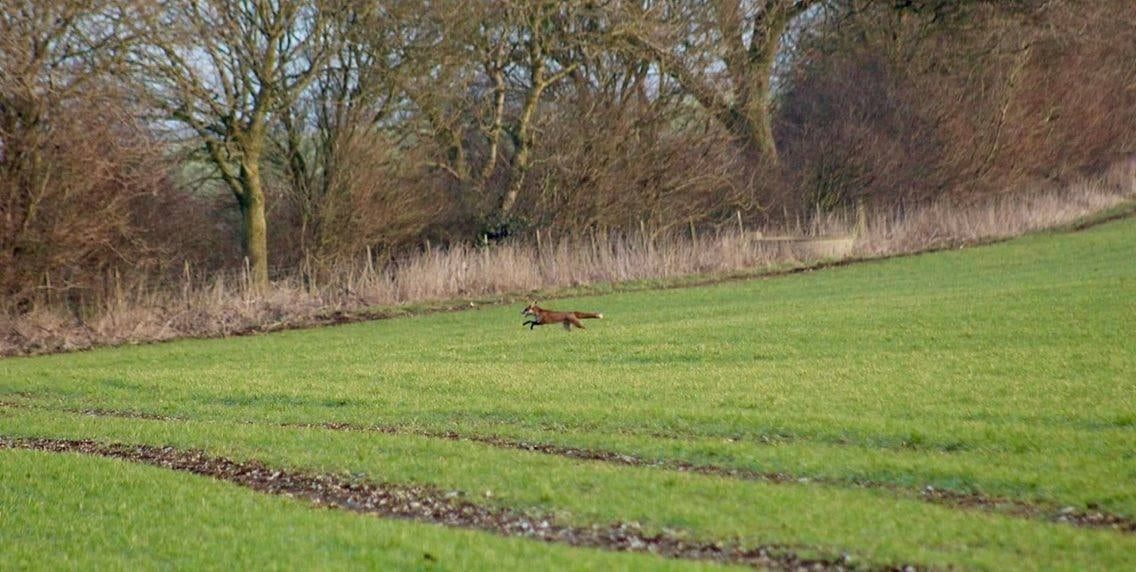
point(224, 305)
point(944, 224)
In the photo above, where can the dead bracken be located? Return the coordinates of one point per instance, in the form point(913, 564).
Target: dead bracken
point(428, 504)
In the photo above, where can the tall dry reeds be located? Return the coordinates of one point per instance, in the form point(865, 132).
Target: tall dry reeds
point(224, 304)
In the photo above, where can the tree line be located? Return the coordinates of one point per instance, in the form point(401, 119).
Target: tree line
point(143, 136)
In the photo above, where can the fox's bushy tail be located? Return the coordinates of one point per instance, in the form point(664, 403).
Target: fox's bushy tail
point(596, 315)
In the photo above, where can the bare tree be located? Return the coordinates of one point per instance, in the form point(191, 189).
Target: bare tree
point(541, 27)
point(224, 68)
point(352, 188)
point(491, 68)
point(722, 53)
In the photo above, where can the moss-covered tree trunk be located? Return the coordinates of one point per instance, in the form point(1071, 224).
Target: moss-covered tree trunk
point(750, 120)
point(750, 65)
point(254, 226)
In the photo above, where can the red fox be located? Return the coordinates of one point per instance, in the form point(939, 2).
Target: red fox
point(542, 317)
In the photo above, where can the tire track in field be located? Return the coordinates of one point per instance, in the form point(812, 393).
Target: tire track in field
point(951, 499)
point(449, 508)
point(1093, 518)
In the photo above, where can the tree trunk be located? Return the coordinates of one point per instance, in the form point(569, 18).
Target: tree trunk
point(254, 227)
point(497, 72)
point(754, 130)
point(765, 142)
point(753, 74)
point(521, 168)
point(751, 128)
point(523, 158)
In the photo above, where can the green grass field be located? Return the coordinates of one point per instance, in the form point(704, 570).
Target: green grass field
point(1007, 371)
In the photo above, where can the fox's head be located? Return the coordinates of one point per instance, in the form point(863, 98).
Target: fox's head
point(531, 309)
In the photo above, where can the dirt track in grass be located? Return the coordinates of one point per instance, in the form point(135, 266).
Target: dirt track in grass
point(952, 499)
point(1091, 518)
point(448, 508)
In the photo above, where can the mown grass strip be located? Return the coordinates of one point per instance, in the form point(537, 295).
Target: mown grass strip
point(427, 504)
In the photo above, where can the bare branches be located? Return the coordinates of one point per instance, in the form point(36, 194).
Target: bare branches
point(67, 175)
point(224, 69)
point(486, 119)
point(693, 46)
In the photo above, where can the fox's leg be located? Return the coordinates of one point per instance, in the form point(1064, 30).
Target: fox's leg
point(529, 323)
point(573, 321)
